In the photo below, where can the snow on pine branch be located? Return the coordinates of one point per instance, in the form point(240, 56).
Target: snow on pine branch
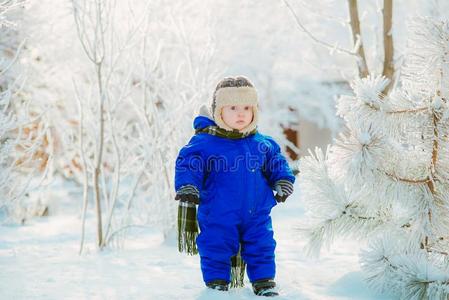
point(392, 164)
point(359, 151)
point(367, 160)
point(387, 113)
point(427, 67)
point(369, 90)
point(332, 211)
point(328, 196)
point(442, 164)
point(390, 267)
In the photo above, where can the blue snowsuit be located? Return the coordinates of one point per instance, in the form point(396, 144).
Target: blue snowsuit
point(236, 179)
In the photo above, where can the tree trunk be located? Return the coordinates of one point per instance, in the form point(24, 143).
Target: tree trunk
point(99, 159)
point(356, 35)
point(388, 70)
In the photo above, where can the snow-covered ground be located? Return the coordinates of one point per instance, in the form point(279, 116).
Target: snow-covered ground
point(40, 260)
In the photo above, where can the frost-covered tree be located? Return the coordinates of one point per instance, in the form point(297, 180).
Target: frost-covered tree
point(387, 177)
point(145, 81)
point(22, 134)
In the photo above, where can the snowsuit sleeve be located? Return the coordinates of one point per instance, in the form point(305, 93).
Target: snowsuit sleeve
point(190, 165)
point(276, 166)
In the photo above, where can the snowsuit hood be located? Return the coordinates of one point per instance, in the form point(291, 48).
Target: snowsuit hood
point(204, 119)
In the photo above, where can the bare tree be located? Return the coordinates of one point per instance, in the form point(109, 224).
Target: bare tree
point(147, 83)
point(93, 42)
point(358, 46)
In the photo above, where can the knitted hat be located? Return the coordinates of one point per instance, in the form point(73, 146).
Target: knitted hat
point(235, 91)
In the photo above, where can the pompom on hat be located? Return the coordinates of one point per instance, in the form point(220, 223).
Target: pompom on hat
point(234, 91)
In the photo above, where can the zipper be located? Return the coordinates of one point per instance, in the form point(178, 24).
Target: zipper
point(250, 176)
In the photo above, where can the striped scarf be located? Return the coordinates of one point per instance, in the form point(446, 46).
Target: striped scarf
point(187, 228)
point(217, 131)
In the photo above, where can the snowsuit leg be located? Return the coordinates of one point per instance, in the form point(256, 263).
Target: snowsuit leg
point(217, 243)
point(258, 247)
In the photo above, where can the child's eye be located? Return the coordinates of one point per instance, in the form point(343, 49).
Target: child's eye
point(246, 107)
point(232, 107)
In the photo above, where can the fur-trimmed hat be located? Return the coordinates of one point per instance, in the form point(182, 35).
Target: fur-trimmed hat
point(235, 91)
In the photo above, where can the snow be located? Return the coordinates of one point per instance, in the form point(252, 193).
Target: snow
point(364, 138)
point(39, 260)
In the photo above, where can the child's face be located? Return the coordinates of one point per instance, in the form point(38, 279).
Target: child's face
point(237, 116)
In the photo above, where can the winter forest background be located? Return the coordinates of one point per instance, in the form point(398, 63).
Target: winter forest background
point(97, 97)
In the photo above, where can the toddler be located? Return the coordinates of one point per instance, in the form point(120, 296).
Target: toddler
point(230, 170)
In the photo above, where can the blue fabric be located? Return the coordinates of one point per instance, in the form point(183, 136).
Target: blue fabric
point(236, 179)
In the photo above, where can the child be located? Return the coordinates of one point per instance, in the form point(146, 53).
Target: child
point(231, 170)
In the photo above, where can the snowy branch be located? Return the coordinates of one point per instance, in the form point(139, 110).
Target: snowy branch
point(315, 39)
point(393, 163)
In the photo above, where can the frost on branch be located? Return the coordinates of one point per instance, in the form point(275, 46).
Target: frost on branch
point(332, 210)
point(23, 163)
point(386, 177)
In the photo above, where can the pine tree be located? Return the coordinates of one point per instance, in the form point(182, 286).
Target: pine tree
point(386, 178)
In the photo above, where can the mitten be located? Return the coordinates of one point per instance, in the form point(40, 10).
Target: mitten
point(284, 188)
point(188, 193)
